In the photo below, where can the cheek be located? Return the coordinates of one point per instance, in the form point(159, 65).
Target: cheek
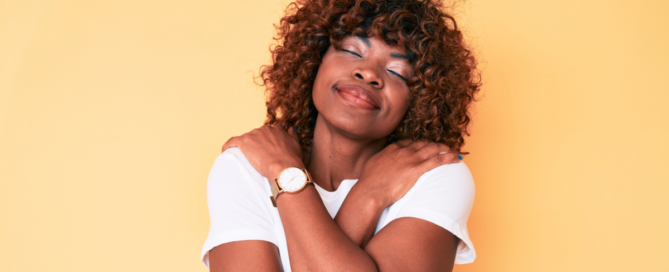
point(319, 89)
point(400, 107)
point(326, 71)
point(401, 101)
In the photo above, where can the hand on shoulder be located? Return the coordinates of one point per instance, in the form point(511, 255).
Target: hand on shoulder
point(390, 173)
point(269, 149)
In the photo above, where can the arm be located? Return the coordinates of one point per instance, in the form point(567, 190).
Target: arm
point(316, 242)
point(421, 251)
point(321, 244)
point(250, 255)
point(430, 249)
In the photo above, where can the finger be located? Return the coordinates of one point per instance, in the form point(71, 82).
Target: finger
point(292, 132)
point(444, 149)
point(261, 130)
point(448, 154)
point(418, 145)
point(430, 150)
point(403, 143)
point(442, 158)
point(391, 148)
point(436, 148)
point(232, 142)
point(436, 161)
point(275, 130)
point(449, 157)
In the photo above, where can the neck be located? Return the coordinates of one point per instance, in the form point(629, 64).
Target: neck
point(335, 156)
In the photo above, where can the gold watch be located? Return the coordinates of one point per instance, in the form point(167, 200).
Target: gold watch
point(291, 180)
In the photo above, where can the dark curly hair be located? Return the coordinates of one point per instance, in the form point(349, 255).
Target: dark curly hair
point(445, 80)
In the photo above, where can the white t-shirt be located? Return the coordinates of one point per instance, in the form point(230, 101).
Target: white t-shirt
point(240, 207)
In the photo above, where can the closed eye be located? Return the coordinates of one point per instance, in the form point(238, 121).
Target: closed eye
point(351, 52)
point(397, 74)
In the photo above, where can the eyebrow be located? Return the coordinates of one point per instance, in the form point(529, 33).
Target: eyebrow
point(366, 41)
point(393, 55)
point(399, 56)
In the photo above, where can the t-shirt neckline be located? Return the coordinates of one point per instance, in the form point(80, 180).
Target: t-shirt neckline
point(343, 188)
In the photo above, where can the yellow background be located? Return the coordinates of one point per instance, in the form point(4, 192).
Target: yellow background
point(111, 113)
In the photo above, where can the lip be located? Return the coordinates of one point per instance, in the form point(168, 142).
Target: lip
point(358, 97)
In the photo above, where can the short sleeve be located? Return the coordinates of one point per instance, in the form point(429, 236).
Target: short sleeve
point(444, 196)
point(238, 203)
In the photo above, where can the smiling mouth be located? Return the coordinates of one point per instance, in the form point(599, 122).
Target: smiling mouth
point(358, 97)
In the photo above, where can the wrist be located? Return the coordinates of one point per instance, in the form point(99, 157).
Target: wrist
point(372, 195)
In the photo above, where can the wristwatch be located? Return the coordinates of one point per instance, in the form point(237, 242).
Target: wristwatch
point(291, 180)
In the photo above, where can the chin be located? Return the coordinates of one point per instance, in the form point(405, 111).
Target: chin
point(358, 130)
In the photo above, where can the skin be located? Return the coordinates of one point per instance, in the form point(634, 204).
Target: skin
point(361, 97)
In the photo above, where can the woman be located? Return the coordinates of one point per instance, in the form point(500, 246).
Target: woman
point(356, 168)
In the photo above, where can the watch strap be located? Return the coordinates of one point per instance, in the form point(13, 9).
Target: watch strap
point(306, 173)
point(275, 192)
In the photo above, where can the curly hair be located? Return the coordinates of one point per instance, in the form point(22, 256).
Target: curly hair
point(442, 88)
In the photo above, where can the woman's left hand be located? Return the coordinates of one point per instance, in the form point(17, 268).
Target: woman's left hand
point(269, 149)
point(391, 173)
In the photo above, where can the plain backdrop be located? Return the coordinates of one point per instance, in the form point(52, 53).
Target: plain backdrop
point(112, 112)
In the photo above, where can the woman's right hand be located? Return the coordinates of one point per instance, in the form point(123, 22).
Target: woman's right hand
point(269, 149)
point(389, 174)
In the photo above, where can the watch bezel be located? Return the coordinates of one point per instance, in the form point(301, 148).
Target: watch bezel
point(305, 177)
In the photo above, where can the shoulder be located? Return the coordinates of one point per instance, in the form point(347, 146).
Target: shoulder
point(444, 196)
point(232, 177)
point(445, 186)
point(445, 192)
point(233, 158)
point(449, 176)
point(233, 162)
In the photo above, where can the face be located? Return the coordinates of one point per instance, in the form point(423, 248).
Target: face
point(361, 90)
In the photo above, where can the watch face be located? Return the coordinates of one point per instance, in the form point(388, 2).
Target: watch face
point(292, 179)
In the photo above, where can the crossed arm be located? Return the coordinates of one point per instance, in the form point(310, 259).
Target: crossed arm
point(316, 242)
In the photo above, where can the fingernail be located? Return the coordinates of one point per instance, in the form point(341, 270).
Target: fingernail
point(459, 156)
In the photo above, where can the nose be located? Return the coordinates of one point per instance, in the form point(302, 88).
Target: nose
point(368, 76)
